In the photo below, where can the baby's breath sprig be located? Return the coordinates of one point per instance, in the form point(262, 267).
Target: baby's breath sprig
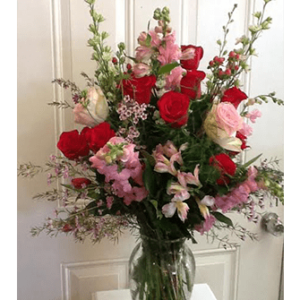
point(29, 170)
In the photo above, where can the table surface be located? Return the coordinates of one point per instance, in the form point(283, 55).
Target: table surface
point(200, 291)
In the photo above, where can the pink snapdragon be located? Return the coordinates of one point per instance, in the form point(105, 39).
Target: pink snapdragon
point(143, 53)
point(246, 129)
point(173, 80)
point(147, 47)
point(118, 161)
point(141, 70)
point(170, 52)
point(253, 115)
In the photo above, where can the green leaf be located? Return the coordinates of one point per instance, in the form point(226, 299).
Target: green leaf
point(220, 217)
point(149, 179)
point(247, 164)
point(158, 212)
point(166, 69)
point(149, 157)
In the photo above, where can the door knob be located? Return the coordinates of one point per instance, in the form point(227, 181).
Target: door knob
point(272, 224)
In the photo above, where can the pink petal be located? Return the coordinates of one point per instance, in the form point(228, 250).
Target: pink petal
point(169, 210)
point(182, 210)
point(161, 168)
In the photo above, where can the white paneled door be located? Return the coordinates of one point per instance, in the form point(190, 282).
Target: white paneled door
point(52, 39)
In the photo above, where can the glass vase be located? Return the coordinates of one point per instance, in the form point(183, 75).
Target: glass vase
point(161, 270)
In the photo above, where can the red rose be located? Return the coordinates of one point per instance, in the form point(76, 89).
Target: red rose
point(173, 108)
point(192, 64)
point(234, 96)
point(225, 165)
point(191, 84)
point(73, 145)
point(139, 89)
point(79, 183)
point(98, 136)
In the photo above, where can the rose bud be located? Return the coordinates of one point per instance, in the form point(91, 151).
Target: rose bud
point(80, 183)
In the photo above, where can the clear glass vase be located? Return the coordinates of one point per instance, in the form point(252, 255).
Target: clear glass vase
point(161, 270)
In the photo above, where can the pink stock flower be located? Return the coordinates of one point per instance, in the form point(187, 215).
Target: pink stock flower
point(118, 167)
point(137, 194)
point(109, 201)
point(240, 194)
point(250, 182)
point(206, 225)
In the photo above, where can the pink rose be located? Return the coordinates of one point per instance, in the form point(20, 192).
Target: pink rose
point(228, 118)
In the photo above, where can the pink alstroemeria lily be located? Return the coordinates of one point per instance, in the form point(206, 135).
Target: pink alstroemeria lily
point(189, 178)
point(176, 204)
point(180, 194)
point(163, 165)
point(204, 203)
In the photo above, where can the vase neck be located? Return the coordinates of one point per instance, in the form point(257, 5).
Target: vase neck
point(157, 245)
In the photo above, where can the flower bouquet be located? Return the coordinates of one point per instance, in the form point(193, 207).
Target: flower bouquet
point(160, 152)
